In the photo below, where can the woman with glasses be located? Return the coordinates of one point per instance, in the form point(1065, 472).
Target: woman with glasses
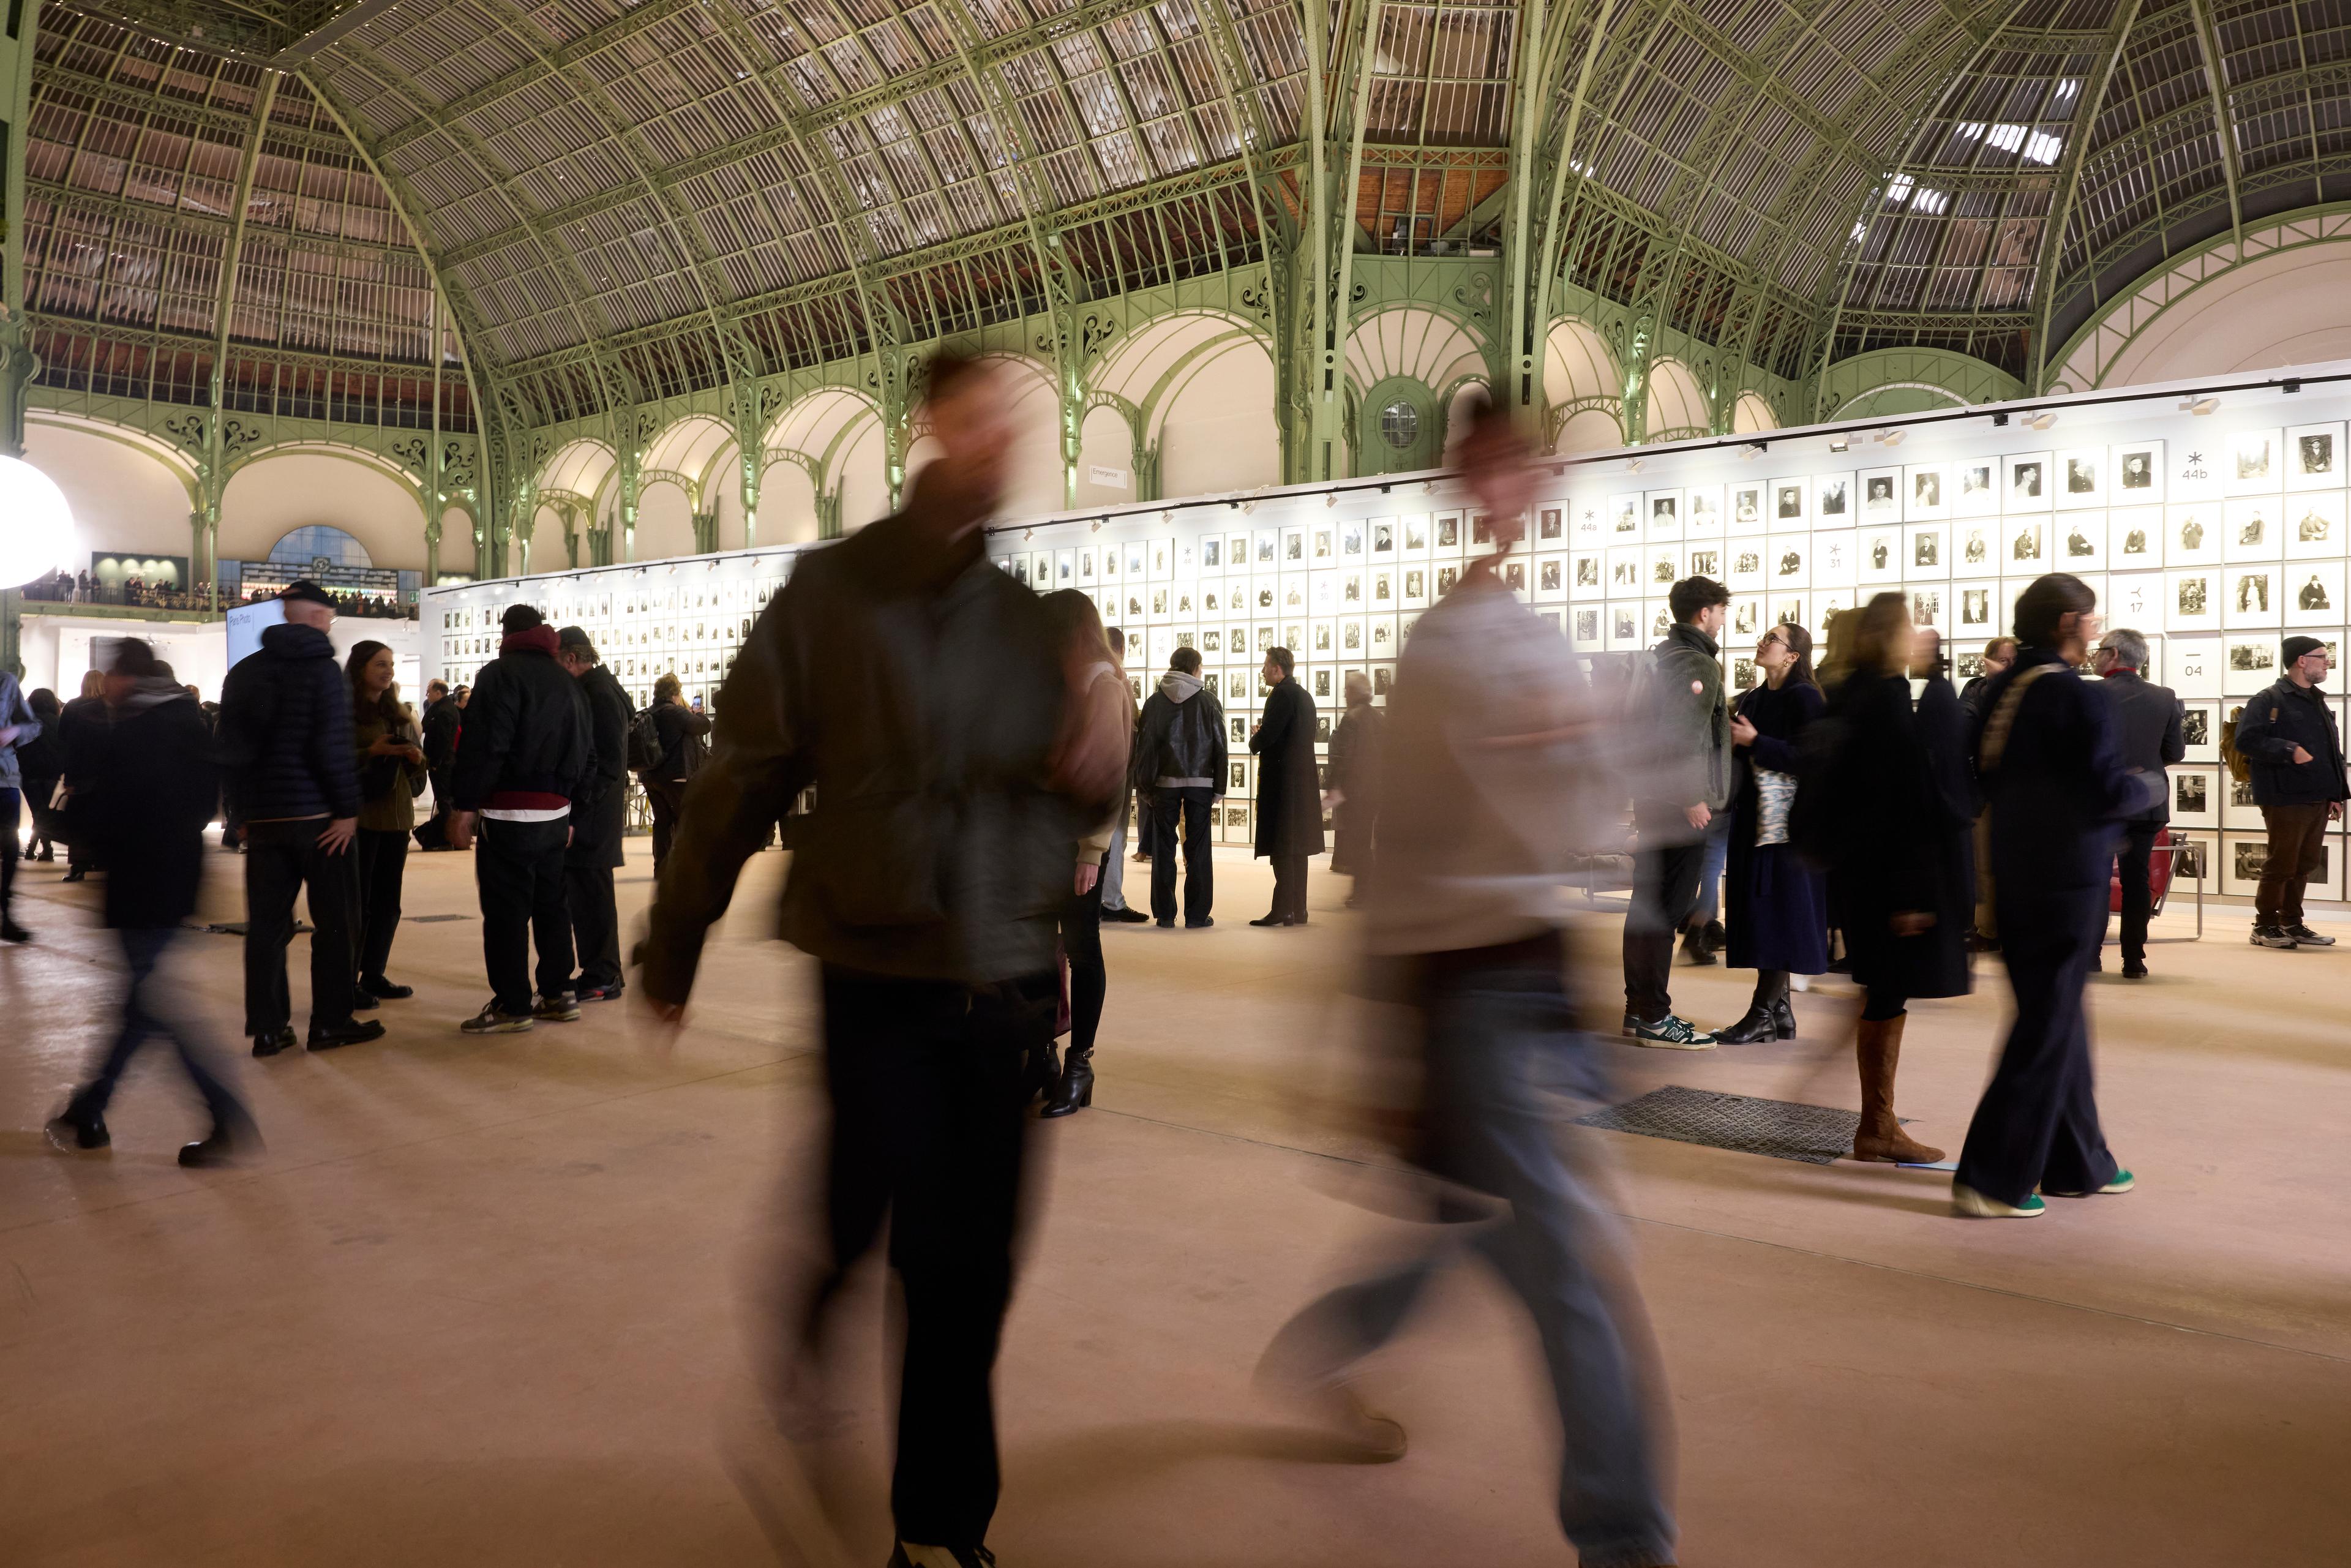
point(1778, 904)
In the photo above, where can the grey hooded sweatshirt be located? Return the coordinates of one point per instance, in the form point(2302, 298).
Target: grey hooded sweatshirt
point(1180, 744)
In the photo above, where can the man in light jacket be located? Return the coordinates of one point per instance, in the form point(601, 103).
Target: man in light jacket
point(19, 726)
point(1180, 757)
point(1685, 780)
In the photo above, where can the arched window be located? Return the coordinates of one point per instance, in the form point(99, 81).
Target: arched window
point(318, 545)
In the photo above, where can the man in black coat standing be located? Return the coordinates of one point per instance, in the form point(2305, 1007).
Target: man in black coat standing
point(293, 792)
point(2288, 739)
point(2147, 725)
point(442, 717)
point(158, 787)
point(2054, 786)
point(1289, 793)
point(523, 767)
point(598, 825)
point(1179, 768)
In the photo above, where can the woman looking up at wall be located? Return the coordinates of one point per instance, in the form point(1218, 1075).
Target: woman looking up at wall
point(391, 770)
point(1779, 906)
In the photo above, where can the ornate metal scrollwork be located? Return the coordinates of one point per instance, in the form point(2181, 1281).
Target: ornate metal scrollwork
point(188, 430)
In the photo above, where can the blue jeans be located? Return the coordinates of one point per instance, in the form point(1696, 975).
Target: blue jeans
point(1710, 876)
point(1503, 1062)
point(1114, 875)
point(145, 1017)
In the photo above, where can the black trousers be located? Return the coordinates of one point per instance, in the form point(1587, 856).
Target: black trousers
point(930, 1083)
point(383, 866)
point(9, 818)
point(1289, 887)
point(518, 870)
point(667, 799)
point(147, 1014)
point(2037, 1124)
point(1089, 975)
point(595, 922)
point(37, 793)
point(2133, 853)
point(1191, 806)
point(280, 860)
point(1665, 895)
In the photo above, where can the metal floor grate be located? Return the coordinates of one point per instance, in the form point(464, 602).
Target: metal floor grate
point(1782, 1129)
point(432, 919)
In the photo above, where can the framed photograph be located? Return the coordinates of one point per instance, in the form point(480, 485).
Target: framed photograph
point(1975, 549)
point(2193, 668)
point(1449, 537)
point(1625, 516)
point(1702, 511)
point(1703, 559)
point(1662, 510)
point(2080, 543)
point(1975, 489)
point(1877, 555)
point(1974, 613)
point(1746, 564)
point(2314, 525)
point(2249, 664)
point(1833, 500)
point(2082, 477)
point(2193, 602)
point(1514, 577)
point(2195, 798)
point(1417, 531)
point(1625, 628)
point(1551, 579)
point(1923, 553)
point(1352, 536)
point(2252, 598)
point(1923, 501)
point(1743, 673)
point(1837, 558)
point(1626, 566)
point(2314, 456)
point(2025, 482)
point(2135, 599)
point(2134, 537)
point(1481, 533)
point(1788, 508)
point(1927, 608)
point(2022, 544)
point(2192, 534)
point(2242, 855)
point(1788, 557)
point(1662, 569)
point(2200, 732)
point(2198, 861)
point(1386, 590)
point(1826, 605)
point(2310, 593)
point(1881, 496)
point(1587, 576)
point(2250, 531)
point(1293, 548)
point(1383, 534)
point(2256, 466)
point(1657, 618)
point(1746, 622)
point(2136, 476)
point(1585, 626)
point(1749, 509)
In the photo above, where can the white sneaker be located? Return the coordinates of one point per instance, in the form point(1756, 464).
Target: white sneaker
point(1973, 1204)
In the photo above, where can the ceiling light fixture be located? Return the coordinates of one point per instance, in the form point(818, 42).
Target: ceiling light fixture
point(1635, 464)
point(1840, 443)
point(2202, 405)
point(1893, 438)
point(2041, 420)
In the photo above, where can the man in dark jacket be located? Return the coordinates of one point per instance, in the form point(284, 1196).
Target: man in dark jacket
point(2054, 787)
point(19, 726)
point(1179, 760)
point(442, 717)
point(1998, 655)
point(2147, 730)
point(1683, 780)
point(2288, 739)
point(294, 793)
point(524, 763)
point(923, 693)
point(81, 731)
point(160, 787)
point(599, 823)
point(1289, 790)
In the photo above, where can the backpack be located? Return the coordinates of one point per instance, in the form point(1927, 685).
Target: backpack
point(2241, 766)
point(644, 743)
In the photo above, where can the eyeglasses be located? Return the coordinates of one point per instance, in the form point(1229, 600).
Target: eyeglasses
point(1770, 640)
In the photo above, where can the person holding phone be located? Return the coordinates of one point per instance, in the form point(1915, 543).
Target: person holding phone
point(392, 769)
point(682, 730)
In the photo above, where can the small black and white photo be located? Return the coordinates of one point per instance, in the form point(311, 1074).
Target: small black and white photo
point(1927, 548)
point(1449, 532)
point(2191, 794)
point(1927, 488)
point(2314, 455)
point(2252, 657)
point(1790, 504)
point(1833, 496)
point(1975, 606)
point(2081, 476)
point(2193, 595)
point(1587, 626)
point(1383, 534)
point(2025, 481)
point(1587, 571)
point(1880, 493)
point(1975, 479)
point(2196, 727)
point(1551, 577)
point(1549, 529)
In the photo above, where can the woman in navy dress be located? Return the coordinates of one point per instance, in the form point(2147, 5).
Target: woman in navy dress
point(1779, 906)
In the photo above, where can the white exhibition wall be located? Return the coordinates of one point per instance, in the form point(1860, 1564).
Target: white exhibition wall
point(58, 649)
point(2214, 535)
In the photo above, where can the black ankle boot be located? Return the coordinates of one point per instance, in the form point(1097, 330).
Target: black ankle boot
point(1694, 946)
point(1784, 1014)
point(1076, 1091)
point(1756, 1027)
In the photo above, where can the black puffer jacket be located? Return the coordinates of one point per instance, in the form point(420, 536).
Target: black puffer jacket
point(526, 741)
point(156, 793)
point(1181, 737)
point(2274, 722)
point(286, 731)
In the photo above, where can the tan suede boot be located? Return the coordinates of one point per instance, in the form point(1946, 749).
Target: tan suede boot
point(1877, 1049)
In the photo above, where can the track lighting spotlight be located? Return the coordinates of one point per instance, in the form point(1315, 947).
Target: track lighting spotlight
point(1893, 438)
point(2202, 405)
point(1635, 464)
point(2041, 420)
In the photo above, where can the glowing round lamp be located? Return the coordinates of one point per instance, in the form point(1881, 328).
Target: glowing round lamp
point(37, 529)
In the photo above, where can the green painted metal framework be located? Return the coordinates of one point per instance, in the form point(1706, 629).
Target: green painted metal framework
point(463, 239)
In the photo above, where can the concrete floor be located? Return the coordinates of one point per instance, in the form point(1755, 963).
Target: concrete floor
point(492, 1301)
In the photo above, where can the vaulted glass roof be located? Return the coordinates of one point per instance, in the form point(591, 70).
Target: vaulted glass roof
point(627, 198)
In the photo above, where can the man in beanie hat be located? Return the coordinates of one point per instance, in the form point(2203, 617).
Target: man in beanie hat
point(2288, 739)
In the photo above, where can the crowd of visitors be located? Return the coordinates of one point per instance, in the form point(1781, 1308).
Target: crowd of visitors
point(61, 587)
point(954, 758)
